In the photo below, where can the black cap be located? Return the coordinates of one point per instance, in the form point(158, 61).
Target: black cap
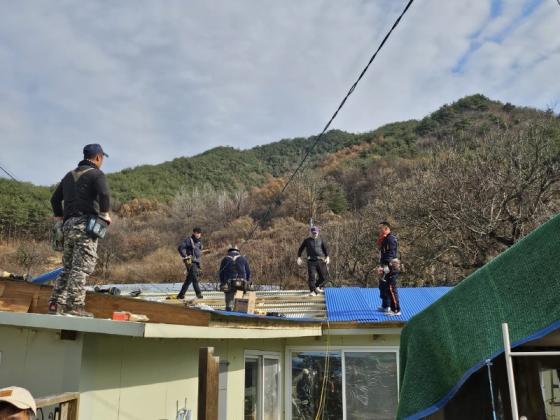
point(197, 230)
point(92, 150)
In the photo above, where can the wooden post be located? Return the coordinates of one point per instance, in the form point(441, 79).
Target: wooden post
point(208, 377)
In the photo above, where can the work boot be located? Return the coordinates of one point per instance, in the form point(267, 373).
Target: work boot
point(199, 296)
point(78, 311)
point(180, 297)
point(55, 309)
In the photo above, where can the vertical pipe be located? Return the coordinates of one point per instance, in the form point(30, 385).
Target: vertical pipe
point(488, 364)
point(509, 369)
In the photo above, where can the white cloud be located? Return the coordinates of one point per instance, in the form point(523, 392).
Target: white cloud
point(152, 81)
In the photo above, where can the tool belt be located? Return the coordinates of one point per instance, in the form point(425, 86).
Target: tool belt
point(96, 227)
point(188, 261)
point(236, 284)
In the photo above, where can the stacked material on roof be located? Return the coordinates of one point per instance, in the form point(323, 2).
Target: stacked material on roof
point(449, 341)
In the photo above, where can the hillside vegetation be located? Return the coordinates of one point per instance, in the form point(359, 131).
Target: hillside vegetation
point(460, 186)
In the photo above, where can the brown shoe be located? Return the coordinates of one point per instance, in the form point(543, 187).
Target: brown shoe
point(78, 311)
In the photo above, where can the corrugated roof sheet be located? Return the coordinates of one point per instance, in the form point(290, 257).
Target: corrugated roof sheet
point(358, 304)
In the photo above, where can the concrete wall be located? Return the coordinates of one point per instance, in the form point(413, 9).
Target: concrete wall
point(39, 360)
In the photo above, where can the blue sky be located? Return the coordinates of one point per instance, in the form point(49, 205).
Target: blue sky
point(152, 81)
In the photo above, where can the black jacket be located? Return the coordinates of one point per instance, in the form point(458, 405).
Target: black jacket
point(389, 249)
point(234, 266)
point(314, 248)
point(84, 191)
point(191, 246)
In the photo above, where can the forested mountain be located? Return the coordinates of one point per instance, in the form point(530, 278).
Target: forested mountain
point(461, 184)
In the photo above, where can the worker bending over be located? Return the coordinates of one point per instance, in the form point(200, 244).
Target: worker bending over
point(317, 260)
point(388, 270)
point(235, 275)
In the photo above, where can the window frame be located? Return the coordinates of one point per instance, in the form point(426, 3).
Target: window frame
point(260, 356)
point(342, 350)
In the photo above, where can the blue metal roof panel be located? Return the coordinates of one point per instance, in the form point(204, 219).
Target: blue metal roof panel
point(359, 304)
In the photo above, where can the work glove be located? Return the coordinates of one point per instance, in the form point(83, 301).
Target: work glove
point(299, 261)
point(187, 261)
point(327, 260)
point(105, 217)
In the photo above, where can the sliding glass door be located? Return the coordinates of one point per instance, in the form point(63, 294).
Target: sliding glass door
point(351, 384)
point(262, 386)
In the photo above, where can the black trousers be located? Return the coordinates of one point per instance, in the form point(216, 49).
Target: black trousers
point(192, 277)
point(314, 268)
point(388, 291)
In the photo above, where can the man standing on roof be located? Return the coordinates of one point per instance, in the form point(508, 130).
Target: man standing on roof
point(388, 270)
point(84, 218)
point(191, 253)
point(317, 260)
point(235, 274)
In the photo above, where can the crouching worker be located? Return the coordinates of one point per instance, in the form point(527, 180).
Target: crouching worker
point(234, 275)
point(388, 287)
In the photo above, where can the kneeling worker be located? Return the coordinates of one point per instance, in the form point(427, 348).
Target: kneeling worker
point(234, 275)
point(317, 260)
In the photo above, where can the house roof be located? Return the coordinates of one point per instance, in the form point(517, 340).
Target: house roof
point(279, 313)
point(345, 304)
point(452, 339)
point(360, 304)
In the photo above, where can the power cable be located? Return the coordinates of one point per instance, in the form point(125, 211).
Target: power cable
point(7, 173)
point(320, 136)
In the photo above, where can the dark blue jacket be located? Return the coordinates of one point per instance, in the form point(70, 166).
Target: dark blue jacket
point(191, 246)
point(234, 266)
point(389, 249)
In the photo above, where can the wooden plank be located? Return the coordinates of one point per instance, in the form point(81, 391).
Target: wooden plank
point(103, 306)
point(64, 411)
point(208, 380)
point(17, 304)
point(56, 399)
point(74, 409)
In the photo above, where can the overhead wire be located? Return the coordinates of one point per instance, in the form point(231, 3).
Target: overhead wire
point(328, 124)
point(7, 173)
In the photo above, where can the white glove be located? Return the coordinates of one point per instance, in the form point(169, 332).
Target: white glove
point(327, 260)
point(106, 217)
point(299, 261)
point(385, 269)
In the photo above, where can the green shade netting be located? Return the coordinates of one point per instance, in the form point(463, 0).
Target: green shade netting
point(451, 339)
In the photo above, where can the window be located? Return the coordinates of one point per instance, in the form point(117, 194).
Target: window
point(308, 380)
point(359, 384)
point(262, 386)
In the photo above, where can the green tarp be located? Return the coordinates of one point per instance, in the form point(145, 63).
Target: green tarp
point(444, 344)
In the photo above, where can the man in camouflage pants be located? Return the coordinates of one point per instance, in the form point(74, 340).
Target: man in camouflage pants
point(85, 195)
